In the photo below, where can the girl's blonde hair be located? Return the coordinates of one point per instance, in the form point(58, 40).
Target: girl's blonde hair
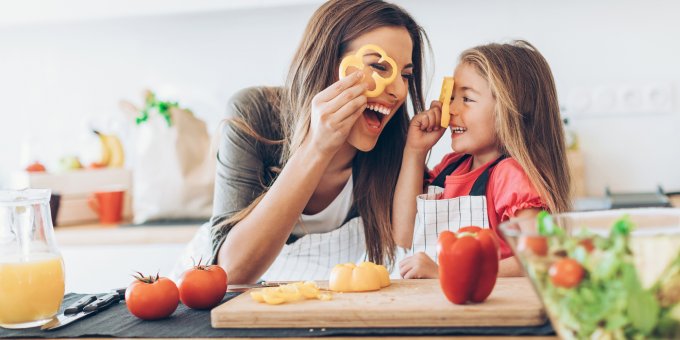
point(314, 67)
point(527, 115)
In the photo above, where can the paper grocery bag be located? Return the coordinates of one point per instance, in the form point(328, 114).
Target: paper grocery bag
point(173, 168)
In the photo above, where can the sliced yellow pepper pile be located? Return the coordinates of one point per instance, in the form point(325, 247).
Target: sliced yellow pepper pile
point(291, 292)
point(366, 276)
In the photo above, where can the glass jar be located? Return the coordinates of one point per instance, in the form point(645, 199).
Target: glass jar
point(31, 267)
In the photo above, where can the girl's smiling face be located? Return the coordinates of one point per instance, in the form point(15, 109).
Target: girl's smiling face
point(397, 43)
point(472, 114)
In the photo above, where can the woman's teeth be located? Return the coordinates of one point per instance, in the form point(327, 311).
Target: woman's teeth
point(379, 108)
point(458, 129)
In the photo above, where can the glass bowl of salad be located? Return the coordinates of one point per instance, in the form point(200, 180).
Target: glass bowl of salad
point(611, 274)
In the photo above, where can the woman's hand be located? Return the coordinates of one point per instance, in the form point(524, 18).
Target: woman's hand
point(418, 266)
point(334, 112)
point(424, 130)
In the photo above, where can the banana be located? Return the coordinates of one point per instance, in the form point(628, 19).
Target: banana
point(113, 154)
point(105, 157)
point(117, 153)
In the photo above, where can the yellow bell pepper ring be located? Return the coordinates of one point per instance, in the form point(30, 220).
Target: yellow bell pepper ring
point(367, 276)
point(445, 99)
point(357, 60)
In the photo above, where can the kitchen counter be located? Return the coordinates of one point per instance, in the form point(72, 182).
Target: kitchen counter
point(116, 321)
point(356, 338)
point(123, 235)
point(126, 245)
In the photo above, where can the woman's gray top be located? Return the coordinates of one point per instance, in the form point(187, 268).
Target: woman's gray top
point(244, 164)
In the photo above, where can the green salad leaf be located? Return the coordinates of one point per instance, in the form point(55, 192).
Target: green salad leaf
point(547, 226)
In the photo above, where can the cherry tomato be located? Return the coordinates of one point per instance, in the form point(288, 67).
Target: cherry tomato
point(203, 287)
point(587, 243)
point(538, 245)
point(151, 298)
point(566, 273)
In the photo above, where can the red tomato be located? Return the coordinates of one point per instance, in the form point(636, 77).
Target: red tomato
point(537, 244)
point(203, 287)
point(151, 298)
point(566, 273)
point(587, 244)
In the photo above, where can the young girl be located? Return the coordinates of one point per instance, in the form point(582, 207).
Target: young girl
point(508, 156)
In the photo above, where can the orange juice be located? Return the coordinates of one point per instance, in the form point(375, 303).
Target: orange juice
point(31, 289)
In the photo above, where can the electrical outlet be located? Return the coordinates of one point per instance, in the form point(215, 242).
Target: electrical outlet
point(622, 99)
point(630, 100)
point(659, 97)
point(604, 101)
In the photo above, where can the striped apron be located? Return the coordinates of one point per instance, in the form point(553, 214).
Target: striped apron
point(313, 256)
point(435, 214)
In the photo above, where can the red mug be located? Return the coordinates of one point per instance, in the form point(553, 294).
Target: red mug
point(108, 205)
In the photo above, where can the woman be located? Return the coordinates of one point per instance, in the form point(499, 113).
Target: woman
point(306, 173)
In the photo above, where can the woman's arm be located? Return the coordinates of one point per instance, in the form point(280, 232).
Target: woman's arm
point(424, 131)
point(254, 243)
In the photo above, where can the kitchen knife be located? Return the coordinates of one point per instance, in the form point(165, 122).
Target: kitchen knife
point(78, 306)
point(88, 309)
point(263, 284)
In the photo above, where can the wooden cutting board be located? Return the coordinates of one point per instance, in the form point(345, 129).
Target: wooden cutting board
point(405, 303)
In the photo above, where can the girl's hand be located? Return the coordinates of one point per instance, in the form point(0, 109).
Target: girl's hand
point(424, 130)
point(418, 266)
point(334, 112)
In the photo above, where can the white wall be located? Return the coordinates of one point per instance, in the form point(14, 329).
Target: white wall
point(59, 76)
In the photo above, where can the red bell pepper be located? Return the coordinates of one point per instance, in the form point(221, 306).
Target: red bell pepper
point(468, 264)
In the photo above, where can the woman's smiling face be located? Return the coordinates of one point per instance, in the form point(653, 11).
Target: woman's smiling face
point(397, 43)
point(472, 121)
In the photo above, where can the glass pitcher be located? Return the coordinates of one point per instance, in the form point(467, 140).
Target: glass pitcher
point(31, 267)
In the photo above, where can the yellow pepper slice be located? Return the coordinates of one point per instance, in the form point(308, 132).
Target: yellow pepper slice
point(357, 60)
point(445, 99)
point(325, 297)
point(257, 296)
point(291, 292)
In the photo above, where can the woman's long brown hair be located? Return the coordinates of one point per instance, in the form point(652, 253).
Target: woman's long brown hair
point(314, 67)
point(527, 113)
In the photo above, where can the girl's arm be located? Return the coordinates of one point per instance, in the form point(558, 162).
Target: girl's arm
point(409, 185)
point(424, 131)
point(253, 244)
point(511, 266)
point(421, 266)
